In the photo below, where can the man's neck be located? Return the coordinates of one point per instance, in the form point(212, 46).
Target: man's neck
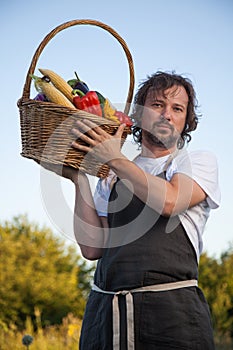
point(156, 151)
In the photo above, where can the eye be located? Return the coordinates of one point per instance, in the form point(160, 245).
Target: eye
point(178, 109)
point(157, 104)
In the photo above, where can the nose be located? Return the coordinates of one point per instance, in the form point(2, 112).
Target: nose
point(166, 114)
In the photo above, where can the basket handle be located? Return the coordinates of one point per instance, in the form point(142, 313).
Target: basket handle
point(48, 37)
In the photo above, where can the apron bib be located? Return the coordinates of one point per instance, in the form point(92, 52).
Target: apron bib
point(145, 249)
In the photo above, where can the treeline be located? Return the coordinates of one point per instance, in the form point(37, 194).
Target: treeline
point(45, 281)
point(39, 273)
point(216, 280)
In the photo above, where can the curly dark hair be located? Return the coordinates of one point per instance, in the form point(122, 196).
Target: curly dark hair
point(159, 82)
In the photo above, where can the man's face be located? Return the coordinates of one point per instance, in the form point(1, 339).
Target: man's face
point(164, 116)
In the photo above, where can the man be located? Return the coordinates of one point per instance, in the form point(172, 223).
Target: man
point(145, 226)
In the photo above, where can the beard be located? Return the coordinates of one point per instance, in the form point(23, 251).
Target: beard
point(164, 138)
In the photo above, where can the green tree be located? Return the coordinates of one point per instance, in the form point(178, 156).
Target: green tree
point(216, 280)
point(223, 304)
point(39, 272)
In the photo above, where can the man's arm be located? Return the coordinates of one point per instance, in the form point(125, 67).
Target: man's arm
point(89, 229)
point(166, 197)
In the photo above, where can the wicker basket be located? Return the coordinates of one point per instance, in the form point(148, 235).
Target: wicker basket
point(45, 126)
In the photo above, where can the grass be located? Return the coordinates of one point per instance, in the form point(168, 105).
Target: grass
point(62, 337)
point(59, 337)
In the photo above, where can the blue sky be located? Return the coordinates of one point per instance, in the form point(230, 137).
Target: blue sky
point(193, 38)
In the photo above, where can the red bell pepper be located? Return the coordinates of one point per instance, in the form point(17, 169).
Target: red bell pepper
point(88, 102)
point(123, 118)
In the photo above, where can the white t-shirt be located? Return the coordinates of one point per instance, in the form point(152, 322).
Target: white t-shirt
point(201, 166)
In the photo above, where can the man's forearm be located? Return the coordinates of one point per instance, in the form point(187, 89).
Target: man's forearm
point(166, 197)
point(88, 229)
point(150, 189)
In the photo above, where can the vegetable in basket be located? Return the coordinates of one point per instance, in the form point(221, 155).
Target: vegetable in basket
point(75, 93)
point(88, 102)
point(123, 118)
point(40, 97)
point(78, 84)
point(58, 82)
point(44, 87)
point(110, 112)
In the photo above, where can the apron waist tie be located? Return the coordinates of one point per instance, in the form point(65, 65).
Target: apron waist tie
point(129, 306)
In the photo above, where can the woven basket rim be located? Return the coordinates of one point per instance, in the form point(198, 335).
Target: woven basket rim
point(68, 111)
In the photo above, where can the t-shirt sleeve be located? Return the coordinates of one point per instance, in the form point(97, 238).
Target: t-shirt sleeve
point(203, 168)
point(102, 193)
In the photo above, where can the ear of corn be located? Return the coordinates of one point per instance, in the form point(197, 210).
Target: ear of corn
point(109, 111)
point(52, 94)
point(59, 83)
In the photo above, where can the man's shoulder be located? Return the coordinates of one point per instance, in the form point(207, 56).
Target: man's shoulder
point(194, 156)
point(193, 162)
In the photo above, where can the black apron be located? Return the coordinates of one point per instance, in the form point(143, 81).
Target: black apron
point(173, 319)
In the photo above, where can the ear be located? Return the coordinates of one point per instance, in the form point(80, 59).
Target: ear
point(180, 142)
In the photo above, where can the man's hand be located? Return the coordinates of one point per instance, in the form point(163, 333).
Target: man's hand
point(100, 144)
point(65, 171)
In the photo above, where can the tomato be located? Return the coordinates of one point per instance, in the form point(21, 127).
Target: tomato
point(123, 118)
